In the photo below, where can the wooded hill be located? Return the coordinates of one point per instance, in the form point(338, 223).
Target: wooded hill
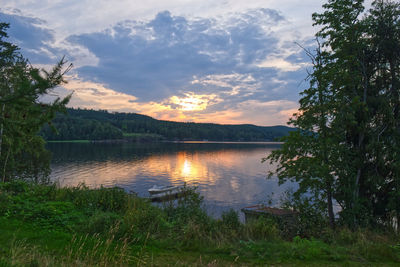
point(84, 124)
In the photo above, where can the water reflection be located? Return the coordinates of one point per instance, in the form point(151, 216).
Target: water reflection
point(227, 175)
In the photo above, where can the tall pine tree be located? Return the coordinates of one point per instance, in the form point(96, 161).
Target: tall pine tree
point(22, 114)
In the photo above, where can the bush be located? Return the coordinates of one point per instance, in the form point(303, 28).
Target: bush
point(14, 187)
point(186, 208)
point(105, 199)
point(311, 220)
point(100, 222)
point(141, 218)
point(48, 214)
point(229, 226)
point(262, 229)
point(230, 220)
point(5, 202)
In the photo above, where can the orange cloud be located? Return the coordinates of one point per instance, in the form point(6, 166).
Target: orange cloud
point(192, 101)
point(189, 107)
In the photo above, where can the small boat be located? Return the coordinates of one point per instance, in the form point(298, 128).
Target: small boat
point(156, 189)
point(164, 193)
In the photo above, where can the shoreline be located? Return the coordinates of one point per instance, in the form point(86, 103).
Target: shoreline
point(114, 141)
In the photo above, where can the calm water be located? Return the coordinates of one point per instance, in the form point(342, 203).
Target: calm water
point(228, 175)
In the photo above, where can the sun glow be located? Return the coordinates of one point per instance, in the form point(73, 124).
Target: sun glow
point(189, 106)
point(186, 168)
point(192, 102)
point(190, 168)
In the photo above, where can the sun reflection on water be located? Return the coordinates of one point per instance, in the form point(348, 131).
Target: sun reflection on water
point(205, 168)
point(187, 168)
point(225, 177)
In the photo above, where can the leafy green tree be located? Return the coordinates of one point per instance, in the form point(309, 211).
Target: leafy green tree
point(22, 114)
point(305, 154)
point(384, 29)
point(346, 147)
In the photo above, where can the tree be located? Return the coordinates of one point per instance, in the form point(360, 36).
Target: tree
point(22, 114)
point(384, 21)
point(346, 148)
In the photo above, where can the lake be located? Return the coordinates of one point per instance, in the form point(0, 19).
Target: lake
point(227, 175)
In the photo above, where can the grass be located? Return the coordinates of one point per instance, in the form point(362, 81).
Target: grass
point(43, 225)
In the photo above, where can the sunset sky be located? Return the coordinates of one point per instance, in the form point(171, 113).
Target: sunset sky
point(220, 61)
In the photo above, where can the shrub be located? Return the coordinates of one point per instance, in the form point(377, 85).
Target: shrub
point(262, 228)
point(5, 202)
point(142, 218)
point(229, 228)
point(100, 222)
point(230, 220)
point(187, 207)
point(105, 199)
point(14, 187)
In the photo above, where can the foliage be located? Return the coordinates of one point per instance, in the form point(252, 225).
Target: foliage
point(230, 219)
point(80, 129)
point(104, 199)
point(263, 229)
point(346, 148)
point(22, 113)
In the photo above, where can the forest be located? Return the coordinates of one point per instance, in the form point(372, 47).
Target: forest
point(84, 124)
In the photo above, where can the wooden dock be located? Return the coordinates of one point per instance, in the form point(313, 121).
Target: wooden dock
point(254, 212)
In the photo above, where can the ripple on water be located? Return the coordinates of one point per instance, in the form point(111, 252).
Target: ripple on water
point(228, 176)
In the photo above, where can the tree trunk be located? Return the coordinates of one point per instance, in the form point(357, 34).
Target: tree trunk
point(5, 164)
point(360, 145)
point(330, 207)
point(2, 127)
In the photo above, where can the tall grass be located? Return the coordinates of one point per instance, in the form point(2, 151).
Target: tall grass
point(109, 227)
point(80, 251)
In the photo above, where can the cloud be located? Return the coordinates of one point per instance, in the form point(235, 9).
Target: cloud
point(192, 102)
point(223, 68)
point(281, 64)
point(228, 84)
point(159, 58)
point(32, 36)
point(93, 95)
point(73, 17)
point(38, 43)
point(190, 108)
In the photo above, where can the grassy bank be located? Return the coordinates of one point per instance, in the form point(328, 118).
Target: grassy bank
point(44, 225)
point(69, 141)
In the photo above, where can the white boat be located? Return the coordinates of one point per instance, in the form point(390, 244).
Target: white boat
point(158, 189)
point(164, 193)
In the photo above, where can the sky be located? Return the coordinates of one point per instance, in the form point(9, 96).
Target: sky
point(218, 61)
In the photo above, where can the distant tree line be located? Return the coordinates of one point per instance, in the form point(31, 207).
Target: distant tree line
point(68, 128)
point(99, 125)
